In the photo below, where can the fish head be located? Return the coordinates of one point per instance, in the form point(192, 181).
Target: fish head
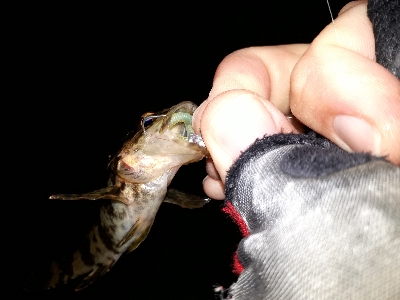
point(162, 144)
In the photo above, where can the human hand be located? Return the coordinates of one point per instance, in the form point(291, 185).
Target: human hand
point(334, 86)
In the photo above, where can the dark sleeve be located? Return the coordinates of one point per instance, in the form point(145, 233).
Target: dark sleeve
point(321, 222)
point(385, 18)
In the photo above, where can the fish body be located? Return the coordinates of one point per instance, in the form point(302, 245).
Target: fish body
point(140, 174)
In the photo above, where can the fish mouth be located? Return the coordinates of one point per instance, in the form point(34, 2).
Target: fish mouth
point(176, 120)
point(179, 119)
point(176, 113)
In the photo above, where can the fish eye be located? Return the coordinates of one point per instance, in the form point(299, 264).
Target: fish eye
point(146, 119)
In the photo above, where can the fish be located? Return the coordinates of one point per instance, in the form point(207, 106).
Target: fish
point(140, 173)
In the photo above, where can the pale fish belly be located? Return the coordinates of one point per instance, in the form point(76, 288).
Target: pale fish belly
point(122, 228)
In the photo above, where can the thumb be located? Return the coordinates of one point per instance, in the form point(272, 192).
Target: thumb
point(232, 121)
point(338, 90)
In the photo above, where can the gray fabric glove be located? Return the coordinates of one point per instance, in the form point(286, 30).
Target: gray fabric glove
point(322, 223)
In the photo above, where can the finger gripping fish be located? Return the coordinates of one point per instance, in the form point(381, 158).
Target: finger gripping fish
point(140, 174)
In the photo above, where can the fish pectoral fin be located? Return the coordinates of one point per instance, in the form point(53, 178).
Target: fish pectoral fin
point(92, 276)
point(112, 193)
point(185, 200)
point(141, 230)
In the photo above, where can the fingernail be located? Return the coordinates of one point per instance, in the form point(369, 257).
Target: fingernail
point(357, 134)
point(239, 122)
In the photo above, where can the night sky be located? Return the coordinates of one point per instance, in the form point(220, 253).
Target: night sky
point(85, 74)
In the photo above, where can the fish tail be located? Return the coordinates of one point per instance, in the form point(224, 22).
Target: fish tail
point(77, 270)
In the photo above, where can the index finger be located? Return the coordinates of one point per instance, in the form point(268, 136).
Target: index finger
point(264, 71)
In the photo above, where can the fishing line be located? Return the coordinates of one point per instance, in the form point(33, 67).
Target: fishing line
point(333, 22)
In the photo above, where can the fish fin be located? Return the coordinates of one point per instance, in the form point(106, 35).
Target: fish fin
point(92, 276)
point(112, 193)
point(185, 200)
point(141, 236)
point(139, 240)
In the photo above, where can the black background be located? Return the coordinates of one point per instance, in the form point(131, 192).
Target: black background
point(85, 74)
